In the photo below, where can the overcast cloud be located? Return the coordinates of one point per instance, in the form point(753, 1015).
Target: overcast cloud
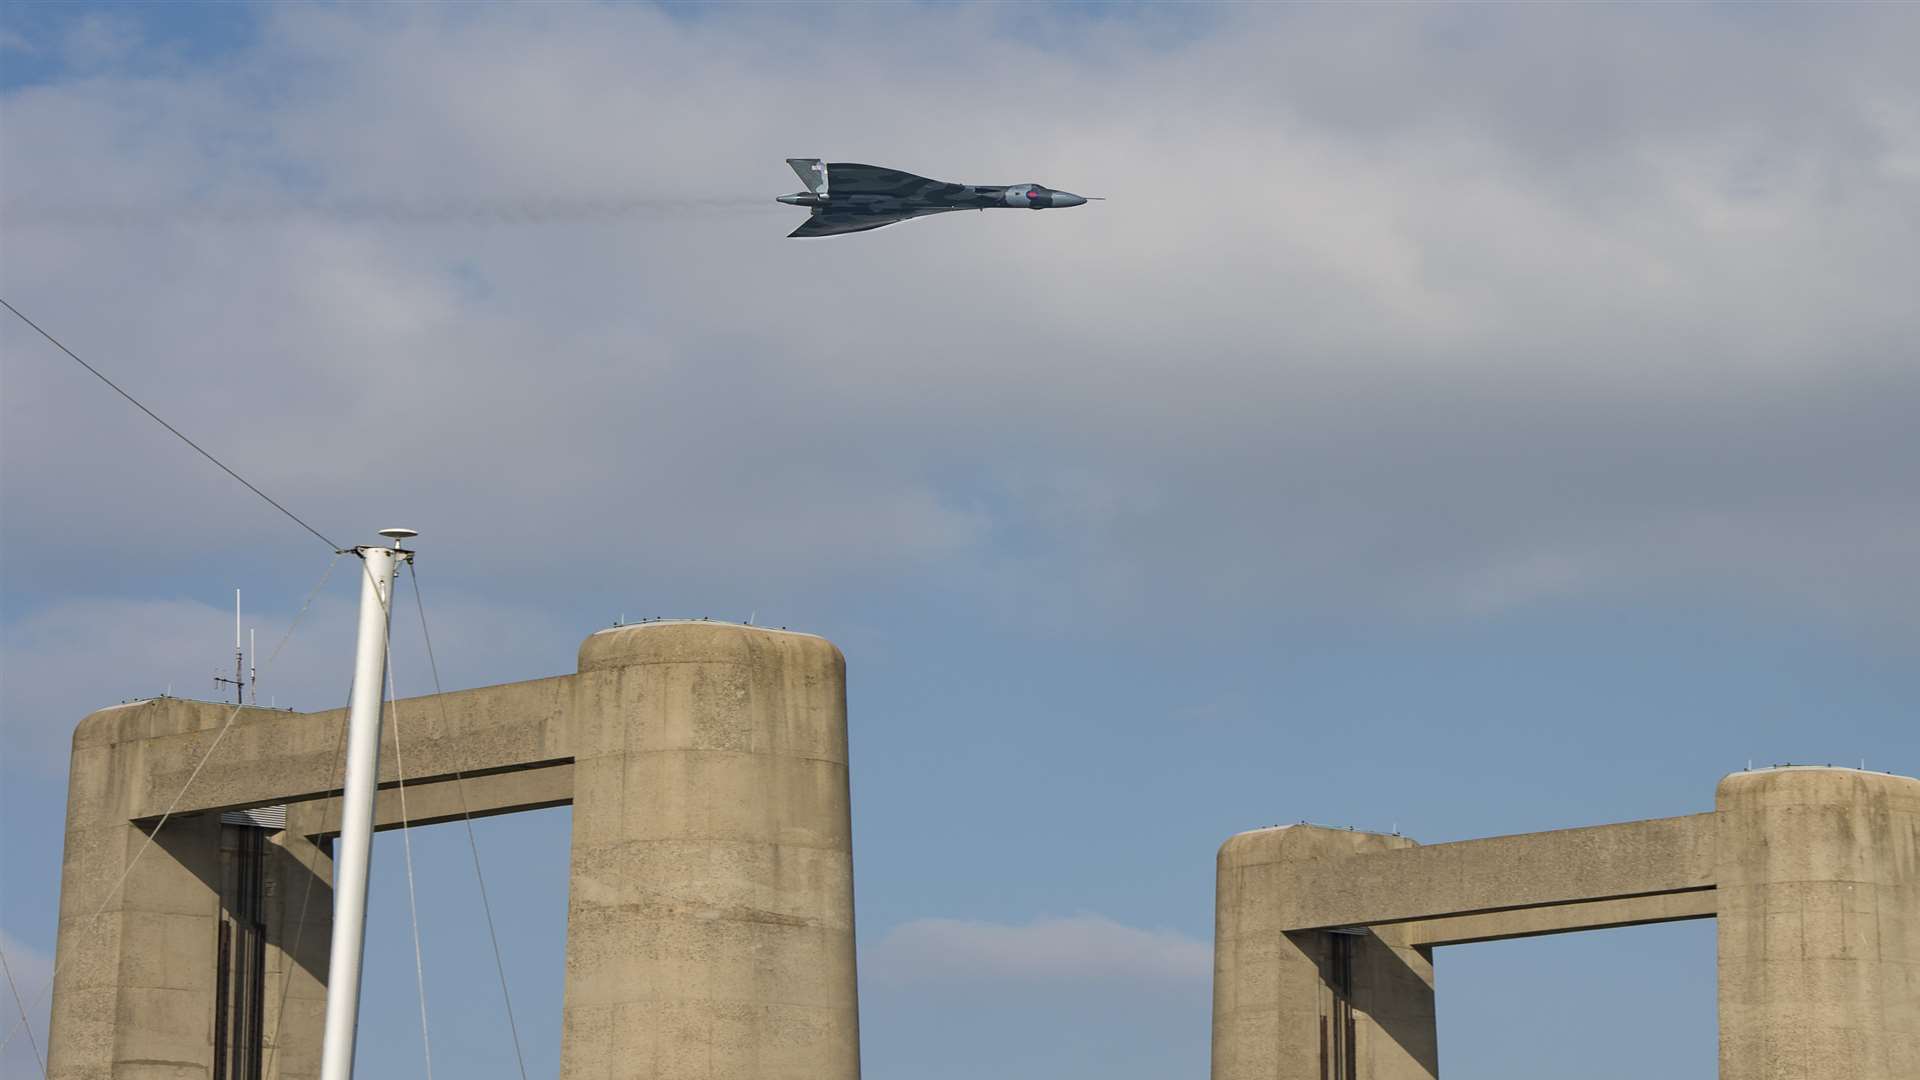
point(1397, 316)
point(1491, 311)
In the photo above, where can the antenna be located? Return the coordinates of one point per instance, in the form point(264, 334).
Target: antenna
point(253, 671)
point(239, 680)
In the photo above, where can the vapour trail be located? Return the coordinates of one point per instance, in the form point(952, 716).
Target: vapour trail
point(384, 210)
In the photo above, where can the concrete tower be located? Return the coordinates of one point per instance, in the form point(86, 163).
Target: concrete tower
point(1324, 938)
point(710, 897)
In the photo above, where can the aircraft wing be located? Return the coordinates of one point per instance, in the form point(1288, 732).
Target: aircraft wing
point(851, 178)
point(832, 224)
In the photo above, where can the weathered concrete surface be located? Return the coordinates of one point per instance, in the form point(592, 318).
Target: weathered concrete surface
point(271, 756)
point(299, 938)
point(1603, 862)
point(433, 801)
point(710, 912)
point(134, 998)
point(710, 918)
point(1813, 874)
point(1819, 942)
point(1556, 919)
point(1276, 1002)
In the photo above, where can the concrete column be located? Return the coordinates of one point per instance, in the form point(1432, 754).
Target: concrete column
point(710, 911)
point(134, 992)
point(1819, 925)
point(1277, 996)
point(1393, 993)
point(299, 936)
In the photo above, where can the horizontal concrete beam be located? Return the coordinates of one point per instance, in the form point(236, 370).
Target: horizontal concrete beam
point(433, 800)
point(1558, 919)
point(268, 756)
point(1567, 866)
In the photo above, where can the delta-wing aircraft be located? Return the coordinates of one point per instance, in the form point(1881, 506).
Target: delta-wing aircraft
point(847, 197)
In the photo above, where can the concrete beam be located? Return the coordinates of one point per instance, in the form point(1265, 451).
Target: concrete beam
point(434, 800)
point(268, 756)
point(1602, 862)
point(1558, 919)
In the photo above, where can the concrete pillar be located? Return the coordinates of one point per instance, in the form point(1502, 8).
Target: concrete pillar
point(1282, 1001)
point(710, 906)
point(299, 936)
point(134, 997)
point(1393, 993)
point(1819, 925)
point(134, 989)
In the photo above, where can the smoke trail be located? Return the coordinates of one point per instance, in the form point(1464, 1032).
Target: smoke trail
point(387, 210)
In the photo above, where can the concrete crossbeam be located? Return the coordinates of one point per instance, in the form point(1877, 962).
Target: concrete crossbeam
point(434, 800)
point(1602, 862)
point(269, 756)
point(1556, 919)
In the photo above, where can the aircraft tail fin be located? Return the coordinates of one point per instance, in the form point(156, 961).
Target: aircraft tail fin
point(812, 172)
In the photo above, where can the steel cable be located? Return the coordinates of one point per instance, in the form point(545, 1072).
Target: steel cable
point(466, 816)
point(176, 431)
point(406, 838)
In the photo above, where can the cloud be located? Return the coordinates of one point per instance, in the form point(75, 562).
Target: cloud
point(1393, 314)
point(68, 658)
point(1077, 948)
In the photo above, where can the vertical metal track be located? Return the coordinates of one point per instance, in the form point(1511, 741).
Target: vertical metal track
point(240, 977)
point(1323, 1049)
point(1339, 1032)
point(223, 973)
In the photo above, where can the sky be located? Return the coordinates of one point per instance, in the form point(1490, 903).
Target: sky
point(1462, 420)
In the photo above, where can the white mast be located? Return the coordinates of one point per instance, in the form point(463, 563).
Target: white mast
point(240, 677)
point(356, 806)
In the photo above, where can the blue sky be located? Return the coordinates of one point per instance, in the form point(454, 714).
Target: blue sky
point(1468, 420)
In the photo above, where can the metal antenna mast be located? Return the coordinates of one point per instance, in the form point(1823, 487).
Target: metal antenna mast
point(239, 681)
point(356, 804)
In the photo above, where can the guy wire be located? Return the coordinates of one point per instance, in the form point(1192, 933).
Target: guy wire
point(176, 431)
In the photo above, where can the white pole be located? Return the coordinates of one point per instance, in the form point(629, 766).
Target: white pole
point(239, 672)
point(356, 808)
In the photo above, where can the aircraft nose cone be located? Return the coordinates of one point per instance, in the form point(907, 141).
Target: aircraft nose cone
point(1067, 198)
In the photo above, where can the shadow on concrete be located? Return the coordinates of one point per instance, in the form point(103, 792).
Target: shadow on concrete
point(193, 842)
point(1398, 996)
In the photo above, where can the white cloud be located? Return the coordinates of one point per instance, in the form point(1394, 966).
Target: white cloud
point(1081, 947)
point(1392, 311)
